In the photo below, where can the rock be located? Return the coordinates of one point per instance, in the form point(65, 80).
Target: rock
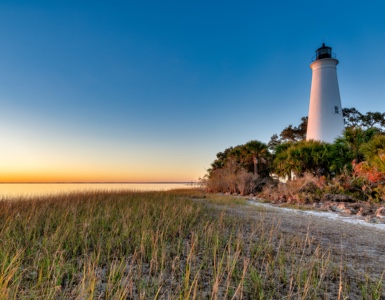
point(335, 208)
point(342, 207)
point(380, 212)
point(351, 211)
point(356, 206)
point(373, 220)
point(337, 198)
point(363, 211)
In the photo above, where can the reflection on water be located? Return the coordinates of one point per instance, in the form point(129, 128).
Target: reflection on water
point(11, 190)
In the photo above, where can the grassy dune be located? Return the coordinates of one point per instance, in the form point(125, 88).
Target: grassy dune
point(158, 245)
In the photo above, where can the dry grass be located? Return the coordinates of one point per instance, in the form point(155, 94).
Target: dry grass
point(155, 245)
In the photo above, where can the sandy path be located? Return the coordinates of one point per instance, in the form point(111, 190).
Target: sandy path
point(361, 247)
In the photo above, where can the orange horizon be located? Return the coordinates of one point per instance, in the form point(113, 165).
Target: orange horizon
point(52, 172)
point(87, 178)
point(156, 181)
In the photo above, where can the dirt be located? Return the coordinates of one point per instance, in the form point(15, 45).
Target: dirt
point(361, 248)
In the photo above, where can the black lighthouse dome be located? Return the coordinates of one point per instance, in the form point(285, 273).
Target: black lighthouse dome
point(324, 52)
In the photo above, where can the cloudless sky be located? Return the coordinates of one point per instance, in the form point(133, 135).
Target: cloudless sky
point(152, 90)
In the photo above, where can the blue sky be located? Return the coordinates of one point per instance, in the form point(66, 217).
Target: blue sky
point(152, 90)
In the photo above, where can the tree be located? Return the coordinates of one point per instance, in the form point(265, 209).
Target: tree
point(295, 134)
point(352, 140)
point(253, 156)
point(373, 120)
point(352, 117)
point(341, 157)
point(274, 142)
point(303, 157)
point(237, 168)
point(282, 166)
point(231, 178)
point(257, 153)
point(374, 152)
point(220, 161)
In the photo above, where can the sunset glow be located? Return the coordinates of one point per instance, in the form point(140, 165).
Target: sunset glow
point(91, 91)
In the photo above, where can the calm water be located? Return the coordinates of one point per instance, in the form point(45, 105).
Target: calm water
point(35, 189)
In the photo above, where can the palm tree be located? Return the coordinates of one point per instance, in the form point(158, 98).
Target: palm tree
point(301, 157)
point(257, 153)
point(282, 165)
point(374, 152)
point(353, 138)
point(340, 156)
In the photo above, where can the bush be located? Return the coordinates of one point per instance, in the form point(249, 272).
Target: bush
point(233, 179)
point(306, 189)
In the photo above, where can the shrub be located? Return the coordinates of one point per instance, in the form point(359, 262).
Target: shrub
point(306, 189)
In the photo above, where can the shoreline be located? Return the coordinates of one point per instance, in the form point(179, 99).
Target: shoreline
point(330, 215)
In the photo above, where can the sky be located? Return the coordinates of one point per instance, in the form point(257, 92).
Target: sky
point(136, 91)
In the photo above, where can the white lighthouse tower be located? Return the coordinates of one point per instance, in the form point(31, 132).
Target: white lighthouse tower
point(325, 120)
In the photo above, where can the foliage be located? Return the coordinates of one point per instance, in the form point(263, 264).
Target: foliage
point(354, 119)
point(305, 156)
point(295, 134)
point(369, 173)
point(256, 154)
point(252, 156)
point(239, 169)
point(221, 159)
point(369, 180)
point(290, 154)
point(374, 152)
point(289, 134)
point(233, 179)
point(274, 142)
point(303, 190)
point(340, 157)
point(353, 139)
point(282, 165)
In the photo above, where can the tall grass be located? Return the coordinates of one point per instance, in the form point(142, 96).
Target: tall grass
point(157, 245)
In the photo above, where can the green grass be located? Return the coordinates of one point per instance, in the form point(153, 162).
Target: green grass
point(155, 245)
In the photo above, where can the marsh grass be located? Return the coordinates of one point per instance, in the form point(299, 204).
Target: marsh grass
point(225, 200)
point(157, 245)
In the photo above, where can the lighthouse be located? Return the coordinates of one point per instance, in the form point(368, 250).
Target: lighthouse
point(325, 119)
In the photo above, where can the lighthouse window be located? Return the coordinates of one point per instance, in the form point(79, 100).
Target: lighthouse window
point(336, 110)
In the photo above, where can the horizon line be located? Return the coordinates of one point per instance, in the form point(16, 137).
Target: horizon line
point(137, 182)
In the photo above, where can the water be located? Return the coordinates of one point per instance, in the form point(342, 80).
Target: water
point(12, 190)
